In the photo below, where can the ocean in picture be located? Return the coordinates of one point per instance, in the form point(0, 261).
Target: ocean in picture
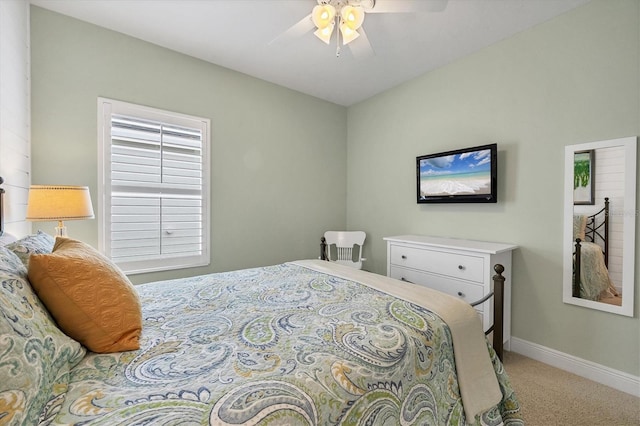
point(460, 174)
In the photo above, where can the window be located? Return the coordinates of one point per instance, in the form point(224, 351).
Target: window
point(153, 192)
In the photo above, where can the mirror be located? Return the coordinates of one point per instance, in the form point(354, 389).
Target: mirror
point(599, 225)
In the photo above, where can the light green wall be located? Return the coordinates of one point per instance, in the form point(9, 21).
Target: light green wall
point(573, 79)
point(277, 183)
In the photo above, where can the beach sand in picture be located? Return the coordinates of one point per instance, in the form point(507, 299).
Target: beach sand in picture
point(472, 185)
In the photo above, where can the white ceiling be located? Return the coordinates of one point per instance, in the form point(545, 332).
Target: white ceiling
point(239, 34)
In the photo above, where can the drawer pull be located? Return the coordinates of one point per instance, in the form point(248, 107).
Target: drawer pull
point(461, 294)
point(461, 267)
point(403, 256)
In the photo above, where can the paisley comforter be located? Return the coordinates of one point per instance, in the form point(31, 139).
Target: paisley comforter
point(277, 345)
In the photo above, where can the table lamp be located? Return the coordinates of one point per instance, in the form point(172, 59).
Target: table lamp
point(59, 202)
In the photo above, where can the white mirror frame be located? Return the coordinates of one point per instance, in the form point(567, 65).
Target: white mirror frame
point(629, 225)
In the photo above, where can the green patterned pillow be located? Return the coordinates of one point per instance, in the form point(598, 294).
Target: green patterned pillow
point(35, 356)
point(39, 243)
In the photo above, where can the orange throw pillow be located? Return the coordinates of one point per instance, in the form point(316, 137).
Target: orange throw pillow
point(91, 299)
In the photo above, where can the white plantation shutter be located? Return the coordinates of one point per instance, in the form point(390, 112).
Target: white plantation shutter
point(155, 188)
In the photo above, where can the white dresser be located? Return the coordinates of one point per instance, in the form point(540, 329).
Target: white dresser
point(462, 268)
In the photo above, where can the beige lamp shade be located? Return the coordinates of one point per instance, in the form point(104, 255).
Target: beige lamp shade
point(59, 202)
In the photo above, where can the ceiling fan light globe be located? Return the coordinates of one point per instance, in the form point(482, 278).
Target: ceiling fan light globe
point(323, 15)
point(348, 35)
point(352, 16)
point(325, 33)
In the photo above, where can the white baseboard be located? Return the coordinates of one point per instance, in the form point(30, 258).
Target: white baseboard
point(616, 379)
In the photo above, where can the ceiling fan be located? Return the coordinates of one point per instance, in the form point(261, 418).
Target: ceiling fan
point(348, 16)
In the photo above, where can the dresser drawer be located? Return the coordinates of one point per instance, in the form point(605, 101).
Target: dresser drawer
point(450, 264)
point(466, 291)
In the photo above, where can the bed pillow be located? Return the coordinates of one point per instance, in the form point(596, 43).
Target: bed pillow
point(90, 298)
point(40, 242)
point(35, 356)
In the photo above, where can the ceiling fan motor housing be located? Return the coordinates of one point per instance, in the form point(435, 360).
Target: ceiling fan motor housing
point(338, 4)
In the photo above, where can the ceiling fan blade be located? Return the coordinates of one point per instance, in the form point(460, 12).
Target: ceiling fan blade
point(408, 6)
point(298, 29)
point(361, 47)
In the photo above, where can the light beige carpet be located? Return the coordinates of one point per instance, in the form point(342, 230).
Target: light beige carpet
point(549, 396)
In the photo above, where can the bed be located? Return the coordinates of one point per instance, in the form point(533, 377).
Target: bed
point(591, 278)
point(304, 342)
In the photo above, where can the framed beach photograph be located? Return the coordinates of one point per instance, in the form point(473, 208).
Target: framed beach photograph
point(583, 173)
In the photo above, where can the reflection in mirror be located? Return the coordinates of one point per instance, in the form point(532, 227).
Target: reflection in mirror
point(599, 225)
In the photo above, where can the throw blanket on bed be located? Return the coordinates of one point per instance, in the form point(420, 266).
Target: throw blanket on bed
point(283, 344)
point(594, 276)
